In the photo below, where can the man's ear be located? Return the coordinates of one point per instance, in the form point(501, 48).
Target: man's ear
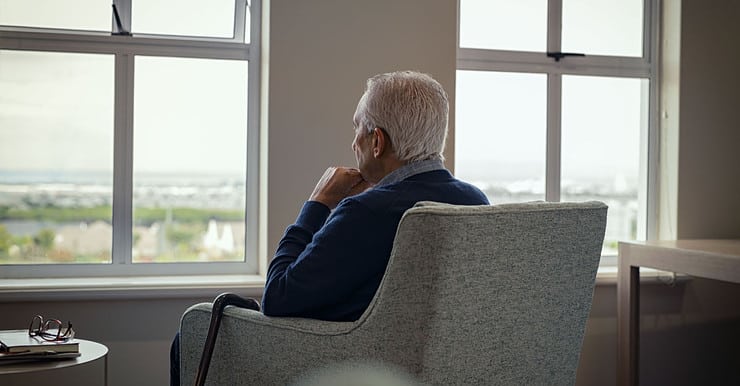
point(380, 142)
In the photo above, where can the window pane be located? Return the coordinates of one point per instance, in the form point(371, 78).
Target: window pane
point(190, 136)
point(500, 134)
point(68, 14)
point(215, 18)
point(601, 130)
point(504, 24)
point(56, 157)
point(603, 27)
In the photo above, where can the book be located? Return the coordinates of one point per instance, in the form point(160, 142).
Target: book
point(18, 342)
point(10, 359)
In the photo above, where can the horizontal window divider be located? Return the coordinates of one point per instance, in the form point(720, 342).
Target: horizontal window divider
point(542, 58)
point(90, 34)
point(107, 44)
point(502, 55)
point(474, 65)
point(230, 53)
point(512, 61)
point(200, 39)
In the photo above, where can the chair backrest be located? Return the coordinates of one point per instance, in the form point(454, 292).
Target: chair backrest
point(490, 294)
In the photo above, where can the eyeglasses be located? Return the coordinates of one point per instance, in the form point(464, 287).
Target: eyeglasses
point(50, 330)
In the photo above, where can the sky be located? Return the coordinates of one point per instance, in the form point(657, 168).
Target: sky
point(149, 16)
point(189, 114)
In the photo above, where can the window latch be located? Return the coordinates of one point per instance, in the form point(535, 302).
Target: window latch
point(119, 31)
point(559, 55)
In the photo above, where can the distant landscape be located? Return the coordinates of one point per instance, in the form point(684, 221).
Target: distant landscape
point(67, 218)
point(52, 218)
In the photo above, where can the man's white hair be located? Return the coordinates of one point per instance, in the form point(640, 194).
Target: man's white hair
point(412, 108)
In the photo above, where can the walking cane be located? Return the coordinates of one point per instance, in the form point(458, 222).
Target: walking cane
point(221, 302)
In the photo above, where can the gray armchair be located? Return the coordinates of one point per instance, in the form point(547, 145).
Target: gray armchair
point(472, 295)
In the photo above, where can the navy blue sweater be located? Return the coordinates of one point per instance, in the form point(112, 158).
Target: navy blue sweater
point(329, 265)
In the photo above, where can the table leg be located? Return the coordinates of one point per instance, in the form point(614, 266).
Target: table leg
point(628, 323)
point(634, 331)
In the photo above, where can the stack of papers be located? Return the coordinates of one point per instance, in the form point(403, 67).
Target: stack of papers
point(18, 345)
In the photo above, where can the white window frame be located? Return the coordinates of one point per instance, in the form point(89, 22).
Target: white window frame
point(645, 67)
point(125, 47)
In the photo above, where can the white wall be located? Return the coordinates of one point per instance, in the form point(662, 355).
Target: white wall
point(709, 141)
point(137, 332)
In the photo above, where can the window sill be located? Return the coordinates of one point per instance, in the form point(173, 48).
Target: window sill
point(18, 290)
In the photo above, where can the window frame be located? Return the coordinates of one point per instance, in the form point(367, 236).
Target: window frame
point(645, 67)
point(124, 48)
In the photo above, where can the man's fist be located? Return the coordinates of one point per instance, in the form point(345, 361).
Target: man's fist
point(338, 183)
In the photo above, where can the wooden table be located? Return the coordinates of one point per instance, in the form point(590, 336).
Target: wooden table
point(31, 372)
point(712, 259)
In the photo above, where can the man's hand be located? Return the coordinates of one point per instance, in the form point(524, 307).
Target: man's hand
point(338, 183)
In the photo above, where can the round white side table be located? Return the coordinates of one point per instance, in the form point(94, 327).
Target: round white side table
point(91, 352)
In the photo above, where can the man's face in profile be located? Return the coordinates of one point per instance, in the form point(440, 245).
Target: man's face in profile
point(362, 150)
point(359, 145)
point(363, 146)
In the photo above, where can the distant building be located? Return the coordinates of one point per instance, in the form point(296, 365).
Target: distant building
point(147, 242)
point(85, 239)
point(223, 239)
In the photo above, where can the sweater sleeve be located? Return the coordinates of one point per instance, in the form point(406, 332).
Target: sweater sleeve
point(321, 262)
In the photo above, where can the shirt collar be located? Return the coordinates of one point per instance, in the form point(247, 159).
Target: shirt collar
point(411, 169)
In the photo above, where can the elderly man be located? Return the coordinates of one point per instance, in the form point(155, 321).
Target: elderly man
point(329, 264)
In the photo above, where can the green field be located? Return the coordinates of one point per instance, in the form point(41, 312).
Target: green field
point(142, 216)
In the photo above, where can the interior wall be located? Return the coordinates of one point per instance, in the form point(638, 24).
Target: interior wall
point(689, 329)
point(670, 109)
point(709, 144)
point(137, 332)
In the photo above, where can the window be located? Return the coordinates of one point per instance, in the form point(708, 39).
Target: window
point(556, 100)
point(128, 137)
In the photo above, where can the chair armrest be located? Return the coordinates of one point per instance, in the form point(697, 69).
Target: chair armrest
point(258, 349)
